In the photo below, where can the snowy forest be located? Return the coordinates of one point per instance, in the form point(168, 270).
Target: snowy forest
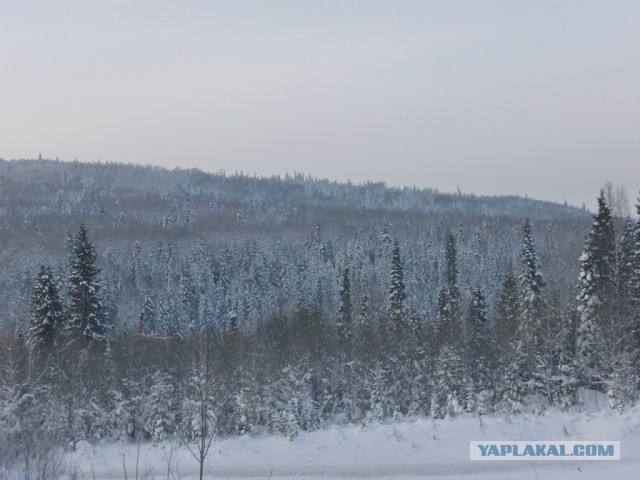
point(140, 303)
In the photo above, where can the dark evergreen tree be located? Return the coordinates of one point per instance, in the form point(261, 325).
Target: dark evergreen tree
point(507, 312)
point(46, 313)
point(480, 347)
point(625, 268)
point(602, 245)
point(566, 377)
point(447, 329)
point(532, 303)
point(363, 321)
point(588, 330)
point(598, 326)
point(397, 293)
point(188, 302)
point(147, 319)
point(344, 320)
point(86, 312)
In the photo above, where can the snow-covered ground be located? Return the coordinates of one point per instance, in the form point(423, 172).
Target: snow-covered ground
point(412, 449)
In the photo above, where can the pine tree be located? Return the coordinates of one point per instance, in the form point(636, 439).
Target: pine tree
point(507, 313)
point(480, 350)
point(598, 326)
point(588, 331)
point(147, 317)
point(532, 302)
point(188, 302)
point(344, 319)
point(602, 245)
point(625, 268)
point(87, 313)
point(567, 382)
point(363, 321)
point(447, 329)
point(46, 313)
point(396, 291)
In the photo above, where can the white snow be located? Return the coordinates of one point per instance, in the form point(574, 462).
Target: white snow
point(412, 449)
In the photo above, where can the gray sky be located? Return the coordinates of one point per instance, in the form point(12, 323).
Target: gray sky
point(514, 97)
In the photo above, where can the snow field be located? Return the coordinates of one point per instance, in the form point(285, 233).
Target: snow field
point(412, 449)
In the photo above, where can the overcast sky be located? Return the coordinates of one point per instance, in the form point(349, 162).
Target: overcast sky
point(538, 98)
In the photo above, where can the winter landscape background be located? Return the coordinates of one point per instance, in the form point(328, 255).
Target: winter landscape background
point(305, 326)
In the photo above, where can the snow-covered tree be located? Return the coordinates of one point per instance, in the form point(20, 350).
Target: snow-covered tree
point(344, 317)
point(480, 347)
point(507, 313)
point(397, 293)
point(87, 314)
point(46, 313)
point(588, 331)
point(532, 303)
point(447, 328)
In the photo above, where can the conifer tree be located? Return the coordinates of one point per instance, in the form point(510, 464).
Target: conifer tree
point(147, 317)
point(344, 319)
point(596, 286)
point(532, 303)
point(188, 302)
point(588, 331)
point(567, 381)
point(396, 291)
point(86, 311)
point(625, 268)
point(602, 245)
point(507, 313)
point(447, 325)
point(46, 313)
point(479, 341)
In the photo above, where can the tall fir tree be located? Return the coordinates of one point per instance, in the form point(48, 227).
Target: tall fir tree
point(480, 348)
point(588, 329)
point(397, 293)
point(602, 245)
point(597, 325)
point(344, 317)
point(188, 302)
point(447, 328)
point(86, 311)
point(46, 312)
point(532, 303)
point(507, 313)
point(626, 253)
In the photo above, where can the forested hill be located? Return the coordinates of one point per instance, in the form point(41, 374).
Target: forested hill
point(155, 304)
point(130, 201)
point(135, 213)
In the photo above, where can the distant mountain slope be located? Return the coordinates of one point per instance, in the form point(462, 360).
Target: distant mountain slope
point(120, 200)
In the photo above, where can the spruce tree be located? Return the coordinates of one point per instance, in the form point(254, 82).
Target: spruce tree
point(344, 320)
point(507, 313)
point(396, 291)
point(86, 311)
point(532, 303)
point(598, 326)
point(447, 325)
point(625, 268)
point(588, 330)
point(480, 349)
point(188, 301)
point(46, 313)
point(602, 245)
